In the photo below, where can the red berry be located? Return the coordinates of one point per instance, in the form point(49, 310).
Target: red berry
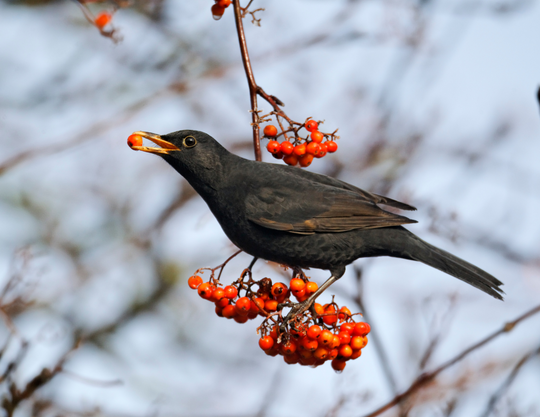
point(310, 344)
point(134, 140)
point(332, 146)
point(287, 148)
point(332, 354)
point(230, 292)
point(217, 11)
point(325, 338)
point(321, 354)
point(317, 136)
point(313, 148)
point(273, 146)
point(218, 294)
point(270, 131)
point(356, 354)
point(278, 155)
point(224, 302)
point(361, 329)
point(291, 359)
point(279, 289)
point(224, 3)
point(266, 342)
point(311, 287)
point(345, 351)
point(229, 311)
point(338, 365)
point(297, 284)
point(300, 150)
point(319, 309)
point(344, 338)
point(357, 342)
point(314, 332)
point(102, 20)
point(306, 160)
point(270, 305)
point(347, 327)
point(322, 150)
point(332, 318)
point(243, 306)
point(291, 159)
point(336, 341)
point(206, 290)
point(300, 294)
point(240, 319)
point(311, 125)
point(288, 348)
point(344, 314)
point(194, 282)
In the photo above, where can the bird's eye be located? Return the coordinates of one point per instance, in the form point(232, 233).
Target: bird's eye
point(190, 142)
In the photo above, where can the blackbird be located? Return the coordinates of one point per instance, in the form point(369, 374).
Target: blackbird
point(299, 218)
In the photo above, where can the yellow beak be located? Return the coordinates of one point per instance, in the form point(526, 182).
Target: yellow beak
point(166, 147)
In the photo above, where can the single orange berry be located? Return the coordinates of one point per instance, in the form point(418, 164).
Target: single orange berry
point(311, 287)
point(278, 155)
point(274, 333)
point(219, 311)
point(266, 342)
point(344, 313)
point(205, 290)
point(217, 11)
point(224, 302)
point(229, 311)
point(325, 338)
point(332, 318)
point(300, 150)
point(321, 354)
point(218, 294)
point(102, 20)
point(357, 342)
point(336, 341)
point(292, 359)
point(224, 3)
point(356, 354)
point(270, 305)
point(332, 354)
point(307, 361)
point(251, 315)
point(272, 351)
point(297, 284)
point(361, 329)
point(317, 136)
point(240, 319)
point(243, 306)
point(305, 353)
point(291, 159)
point(230, 292)
point(347, 327)
point(314, 332)
point(134, 140)
point(270, 131)
point(338, 365)
point(194, 282)
point(306, 160)
point(288, 348)
point(319, 309)
point(322, 150)
point(287, 148)
point(258, 303)
point(310, 344)
point(312, 125)
point(345, 351)
point(300, 294)
point(331, 146)
point(344, 338)
point(313, 148)
point(273, 147)
point(278, 289)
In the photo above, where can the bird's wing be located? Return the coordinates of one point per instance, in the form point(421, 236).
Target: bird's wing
point(316, 208)
point(333, 182)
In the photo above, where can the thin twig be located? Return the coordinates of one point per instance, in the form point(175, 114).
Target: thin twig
point(427, 377)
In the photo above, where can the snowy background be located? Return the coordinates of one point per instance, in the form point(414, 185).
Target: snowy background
point(435, 105)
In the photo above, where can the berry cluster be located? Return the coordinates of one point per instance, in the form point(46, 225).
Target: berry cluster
point(219, 8)
point(323, 333)
point(302, 150)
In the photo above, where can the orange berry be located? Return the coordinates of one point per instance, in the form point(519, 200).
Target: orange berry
point(206, 290)
point(224, 302)
point(361, 329)
point(266, 342)
point(194, 282)
point(102, 20)
point(270, 305)
point(243, 305)
point(321, 354)
point(270, 131)
point(322, 151)
point(305, 353)
point(325, 338)
point(273, 147)
point(314, 332)
point(273, 333)
point(240, 319)
point(279, 289)
point(336, 341)
point(287, 148)
point(278, 155)
point(345, 351)
point(218, 294)
point(332, 146)
point(312, 125)
point(288, 348)
point(302, 298)
point(134, 140)
point(224, 3)
point(332, 354)
point(344, 314)
point(230, 292)
point(356, 354)
point(300, 150)
point(258, 303)
point(291, 159)
point(297, 284)
point(229, 311)
point(313, 148)
point(344, 338)
point(338, 365)
point(291, 359)
point(217, 11)
point(357, 342)
point(310, 344)
point(347, 327)
point(219, 311)
point(299, 294)
point(311, 287)
point(332, 318)
point(317, 136)
point(306, 160)
point(319, 309)
point(272, 351)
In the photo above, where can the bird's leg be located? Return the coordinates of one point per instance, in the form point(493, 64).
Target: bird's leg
point(252, 263)
point(299, 308)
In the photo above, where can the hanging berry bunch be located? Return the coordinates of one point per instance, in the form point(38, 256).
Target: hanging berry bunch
point(326, 333)
point(300, 150)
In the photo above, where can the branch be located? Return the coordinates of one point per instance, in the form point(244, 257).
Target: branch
point(427, 377)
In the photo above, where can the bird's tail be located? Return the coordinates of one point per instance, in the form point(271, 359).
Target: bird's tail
point(416, 249)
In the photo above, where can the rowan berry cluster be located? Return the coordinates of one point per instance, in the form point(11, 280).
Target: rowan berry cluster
point(219, 8)
point(323, 333)
point(301, 151)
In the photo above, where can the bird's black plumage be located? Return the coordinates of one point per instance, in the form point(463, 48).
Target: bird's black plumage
point(299, 218)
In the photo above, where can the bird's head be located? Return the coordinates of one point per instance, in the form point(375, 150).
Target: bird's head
point(191, 152)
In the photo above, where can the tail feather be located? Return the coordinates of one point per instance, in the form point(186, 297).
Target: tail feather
point(418, 250)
